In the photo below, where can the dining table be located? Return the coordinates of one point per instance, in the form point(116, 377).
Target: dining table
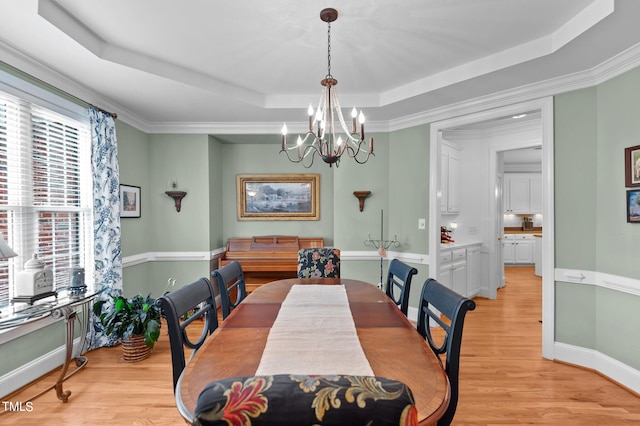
point(391, 345)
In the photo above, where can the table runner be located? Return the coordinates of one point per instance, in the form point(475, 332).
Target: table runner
point(314, 333)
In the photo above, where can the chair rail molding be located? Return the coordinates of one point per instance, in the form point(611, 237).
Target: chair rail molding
point(599, 279)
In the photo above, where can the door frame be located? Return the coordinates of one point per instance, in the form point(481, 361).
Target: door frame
point(545, 106)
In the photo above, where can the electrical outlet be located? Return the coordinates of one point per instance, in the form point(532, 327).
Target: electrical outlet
point(422, 223)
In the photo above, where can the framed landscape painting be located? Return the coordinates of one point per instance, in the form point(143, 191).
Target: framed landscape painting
point(632, 166)
point(278, 197)
point(129, 201)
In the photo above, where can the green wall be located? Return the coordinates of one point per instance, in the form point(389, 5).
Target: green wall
point(576, 178)
point(258, 156)
point(592, 128)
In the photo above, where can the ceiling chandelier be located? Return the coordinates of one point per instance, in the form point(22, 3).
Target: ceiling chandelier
point(321, 138)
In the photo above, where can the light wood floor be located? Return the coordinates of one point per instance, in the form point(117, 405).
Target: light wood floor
point(504, 380)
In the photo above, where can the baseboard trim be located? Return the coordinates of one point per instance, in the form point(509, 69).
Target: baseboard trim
point(608, 367)
point(35, 369)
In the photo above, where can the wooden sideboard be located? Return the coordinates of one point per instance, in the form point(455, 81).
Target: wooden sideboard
point(267, 258)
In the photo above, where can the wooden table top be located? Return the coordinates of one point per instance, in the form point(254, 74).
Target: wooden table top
point(390, 342)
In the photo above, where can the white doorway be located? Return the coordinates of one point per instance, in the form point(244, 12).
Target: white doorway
point(493, 230)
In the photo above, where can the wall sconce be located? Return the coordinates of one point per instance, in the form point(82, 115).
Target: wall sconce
point(177, 196)
point(361, 195)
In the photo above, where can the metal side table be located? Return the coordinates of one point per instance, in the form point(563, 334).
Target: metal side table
point(65, 306)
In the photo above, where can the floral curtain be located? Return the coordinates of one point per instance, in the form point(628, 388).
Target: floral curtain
point(106, 217)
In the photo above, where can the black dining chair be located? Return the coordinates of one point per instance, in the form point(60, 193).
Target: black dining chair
point(180, 308)
point(437, 301)
point(399, 283)
point(230, 279)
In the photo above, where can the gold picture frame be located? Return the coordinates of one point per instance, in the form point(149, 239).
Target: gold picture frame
point(278, 197)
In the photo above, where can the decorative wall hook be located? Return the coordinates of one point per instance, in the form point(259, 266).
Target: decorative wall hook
point(361, 195)
point(177, 197)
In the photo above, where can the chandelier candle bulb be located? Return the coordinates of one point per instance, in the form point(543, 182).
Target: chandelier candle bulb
point(284, 136)
point(310, 110)
point(354, 115)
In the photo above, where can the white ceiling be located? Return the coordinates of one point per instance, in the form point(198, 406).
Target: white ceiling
point(249, 65)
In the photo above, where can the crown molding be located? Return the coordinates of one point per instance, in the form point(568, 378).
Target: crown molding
point(607, 70)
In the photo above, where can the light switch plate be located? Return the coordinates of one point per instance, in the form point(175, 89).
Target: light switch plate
point(422, 223)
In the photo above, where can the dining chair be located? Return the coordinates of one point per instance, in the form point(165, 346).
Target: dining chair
point(437, 301)
point(399, 283)
point(319, 262)
point(230, 279)
point(180, 308)
point(286, 399)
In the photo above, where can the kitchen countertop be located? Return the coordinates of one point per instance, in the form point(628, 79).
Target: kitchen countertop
point(456, 245)
point(535, 230)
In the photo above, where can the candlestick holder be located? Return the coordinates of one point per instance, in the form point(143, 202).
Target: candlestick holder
point(382, 245)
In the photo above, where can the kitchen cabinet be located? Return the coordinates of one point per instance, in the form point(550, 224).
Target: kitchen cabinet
point(474, 271)
point(522, 193)
point(449, 178)
point(535, 193)
point(518, 249)
point(453, 270)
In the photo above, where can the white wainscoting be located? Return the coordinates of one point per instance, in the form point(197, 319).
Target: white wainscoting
point(590, 358)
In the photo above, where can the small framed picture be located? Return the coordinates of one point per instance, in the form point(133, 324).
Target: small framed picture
point(633, 206)
point(129, 201)
point(632, 166)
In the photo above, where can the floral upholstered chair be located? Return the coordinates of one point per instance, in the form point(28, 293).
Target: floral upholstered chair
point(285, 400)
point(322, 262)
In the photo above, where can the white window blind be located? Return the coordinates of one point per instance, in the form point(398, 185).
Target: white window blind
point(45, 191)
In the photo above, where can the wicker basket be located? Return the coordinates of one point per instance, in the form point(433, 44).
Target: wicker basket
point(134, 349)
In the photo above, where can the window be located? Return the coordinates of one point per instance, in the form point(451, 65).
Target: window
point(45, 191)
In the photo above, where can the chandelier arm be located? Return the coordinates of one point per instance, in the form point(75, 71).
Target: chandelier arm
point(299, 160)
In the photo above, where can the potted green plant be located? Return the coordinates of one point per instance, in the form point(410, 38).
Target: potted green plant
point(136, 321)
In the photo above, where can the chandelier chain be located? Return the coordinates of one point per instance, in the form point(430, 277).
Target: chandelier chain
point(328, 49)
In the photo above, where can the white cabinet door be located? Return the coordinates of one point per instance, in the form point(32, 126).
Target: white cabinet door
point(518, 194)
point(453, 270)
point(453, 187)
point(522, 193)
point(449, 179)
point(508, 252)
point(474, 270)
point(524, 252)
point(459, 278)
point(535, 194)
point(444, 277)
point(444, 180)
